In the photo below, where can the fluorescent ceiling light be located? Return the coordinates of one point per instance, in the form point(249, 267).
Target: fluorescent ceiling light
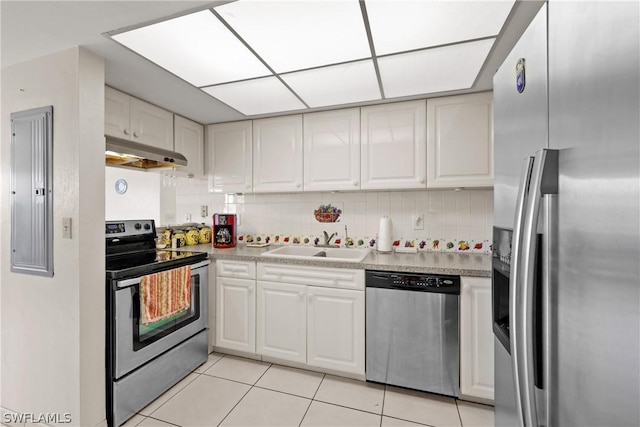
point(335, 85)
point(197, 47)
point(398, 26)
point(294, 35)
point(259, 96)
point(433, 70)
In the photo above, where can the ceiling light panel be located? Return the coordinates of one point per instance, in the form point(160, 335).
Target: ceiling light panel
point(335, 85)
point(259, 96)
point(294, 35)
point(433, 70)
point(196, 47)
point(398, 26)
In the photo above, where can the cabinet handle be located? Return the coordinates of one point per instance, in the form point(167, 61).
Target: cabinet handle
point(135, 134)
point(355, 183)
point(421, 180)
point(126, 131)
point(298, 185)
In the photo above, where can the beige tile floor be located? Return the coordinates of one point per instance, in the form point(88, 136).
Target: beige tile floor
point(232, 391)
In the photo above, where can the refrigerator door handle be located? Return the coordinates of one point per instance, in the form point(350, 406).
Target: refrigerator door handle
point(515, 282)
point(544, 180)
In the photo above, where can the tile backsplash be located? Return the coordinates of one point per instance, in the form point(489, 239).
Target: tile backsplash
point(448, 215)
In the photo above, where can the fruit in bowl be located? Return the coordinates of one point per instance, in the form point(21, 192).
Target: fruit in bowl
point(327, 213)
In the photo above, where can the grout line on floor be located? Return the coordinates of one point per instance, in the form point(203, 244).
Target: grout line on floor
point(312, 399)
point(384, 396)
point(347, 407)
point(409, 421)
point(176, 393)
point(319, 385)
point(235, 381)
point(282, 392)
point(305, 412)
point(237, 403)
point(260, 377)
point(459, 416)
point(161, 420)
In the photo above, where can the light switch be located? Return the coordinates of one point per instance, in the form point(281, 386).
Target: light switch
point(417, 221)
point(66, 228)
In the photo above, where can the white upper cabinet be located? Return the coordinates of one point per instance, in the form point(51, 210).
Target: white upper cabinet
point(277, 154)
point(189, 141)
point(130, 118)
point(332, 150)
point(117, 113)
point(393, 138)
point(229, 157)
point(460, 141)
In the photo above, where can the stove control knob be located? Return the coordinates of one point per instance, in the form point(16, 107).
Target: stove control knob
point(147, 227)
point(137, 226)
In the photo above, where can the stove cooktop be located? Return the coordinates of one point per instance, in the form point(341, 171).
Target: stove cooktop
point(134, 264)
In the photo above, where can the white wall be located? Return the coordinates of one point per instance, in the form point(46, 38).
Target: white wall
point(148, 196)
point(52, 329)
point(448, 215)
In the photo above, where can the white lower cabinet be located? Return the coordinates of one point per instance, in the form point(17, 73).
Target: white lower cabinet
point(476, 338)
point(311, 315)
point(335, 329)
point(282, 321)
point(236, 314)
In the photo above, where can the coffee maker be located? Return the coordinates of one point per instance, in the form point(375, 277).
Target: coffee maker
point(224, 230)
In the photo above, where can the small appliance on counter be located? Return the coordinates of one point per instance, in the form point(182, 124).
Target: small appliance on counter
point(224, 230)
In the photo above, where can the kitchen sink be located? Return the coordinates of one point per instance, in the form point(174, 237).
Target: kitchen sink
point(325, 254)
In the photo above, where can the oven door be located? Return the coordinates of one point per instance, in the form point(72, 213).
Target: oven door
point(136, 344)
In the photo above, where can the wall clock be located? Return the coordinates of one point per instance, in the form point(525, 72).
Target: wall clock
point(121, 186)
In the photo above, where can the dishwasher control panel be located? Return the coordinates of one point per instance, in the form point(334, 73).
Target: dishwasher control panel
point(413, 282)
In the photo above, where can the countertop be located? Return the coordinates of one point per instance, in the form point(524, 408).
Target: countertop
point(455, 263)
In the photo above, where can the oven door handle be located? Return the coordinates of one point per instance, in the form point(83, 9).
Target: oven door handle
point(136, 280)
point(128, 282)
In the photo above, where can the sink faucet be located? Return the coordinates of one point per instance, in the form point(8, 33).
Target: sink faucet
point(346, 237)
point(327, 238)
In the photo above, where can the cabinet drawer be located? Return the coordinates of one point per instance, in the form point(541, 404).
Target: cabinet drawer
point(312, 276)
point(238, 269)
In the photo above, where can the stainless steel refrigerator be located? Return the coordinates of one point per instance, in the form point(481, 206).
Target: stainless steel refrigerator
point(566, 282)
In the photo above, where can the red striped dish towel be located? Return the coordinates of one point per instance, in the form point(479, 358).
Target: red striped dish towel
point(164, 294)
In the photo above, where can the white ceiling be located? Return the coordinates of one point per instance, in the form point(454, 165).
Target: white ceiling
point(30, 29)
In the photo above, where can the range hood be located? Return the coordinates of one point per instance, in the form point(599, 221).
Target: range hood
point(130, 154)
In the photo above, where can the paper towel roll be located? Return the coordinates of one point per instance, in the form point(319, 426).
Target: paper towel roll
point(384, 235)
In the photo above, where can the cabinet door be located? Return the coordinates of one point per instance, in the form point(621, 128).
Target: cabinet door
point(277, 154)
point(117, 113)
point(332, 150)
point(476, 338)
point(460, 141)
point(151, 125)
point(229, 157)
point(335, 330)
point(282, 325)
point(394, 144)
point(189, 141)
point(236, 314)
point(212, 304)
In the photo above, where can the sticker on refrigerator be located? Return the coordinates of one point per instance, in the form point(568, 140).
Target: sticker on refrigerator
point(520, 78)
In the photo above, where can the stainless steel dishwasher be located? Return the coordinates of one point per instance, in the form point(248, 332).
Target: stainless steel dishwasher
point(412, 331)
